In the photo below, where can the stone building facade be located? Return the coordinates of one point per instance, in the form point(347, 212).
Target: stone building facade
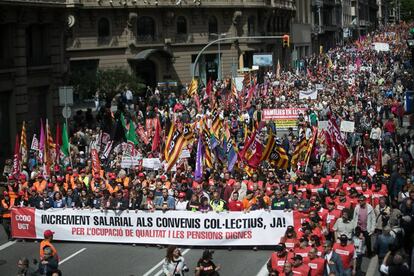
point(159, 40)
point(31, 65)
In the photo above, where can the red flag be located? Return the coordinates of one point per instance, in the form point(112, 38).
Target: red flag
point(156, 139)
point(256, 153)
point(379, 158)
point(209, 87)
point(337, 140)
point(249, 97)
point(96, 163)
point(16, 160)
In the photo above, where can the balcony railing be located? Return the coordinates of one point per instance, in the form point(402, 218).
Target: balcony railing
point(148, 39)
point(188, 3)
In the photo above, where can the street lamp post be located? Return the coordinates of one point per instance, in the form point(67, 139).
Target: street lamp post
point(220, 69)
point(225, 39)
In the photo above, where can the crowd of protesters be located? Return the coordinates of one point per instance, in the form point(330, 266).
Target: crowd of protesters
point(348, 209)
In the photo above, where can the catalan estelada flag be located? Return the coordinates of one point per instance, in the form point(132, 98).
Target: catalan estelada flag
point(271, 142)
point(279, 158)
point(217, 123)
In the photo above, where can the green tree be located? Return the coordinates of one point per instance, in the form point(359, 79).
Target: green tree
point(109, 82)
point(407, 10)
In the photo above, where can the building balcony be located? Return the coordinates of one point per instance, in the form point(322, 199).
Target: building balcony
point(35, 2)
point(283, 4)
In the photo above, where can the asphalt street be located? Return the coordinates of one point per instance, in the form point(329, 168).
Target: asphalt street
point(124, 259)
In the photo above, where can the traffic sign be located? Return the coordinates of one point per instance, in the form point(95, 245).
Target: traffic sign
point(66, 112)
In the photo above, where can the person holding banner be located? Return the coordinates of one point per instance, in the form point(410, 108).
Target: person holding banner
point(174, 263)
point(7, 203)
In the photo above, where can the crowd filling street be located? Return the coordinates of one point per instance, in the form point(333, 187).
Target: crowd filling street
point(352, 189)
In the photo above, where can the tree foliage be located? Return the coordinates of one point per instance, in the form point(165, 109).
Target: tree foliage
point(407, 10)
point(108, 82)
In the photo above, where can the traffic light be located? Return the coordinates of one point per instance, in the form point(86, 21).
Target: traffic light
point(286, 41)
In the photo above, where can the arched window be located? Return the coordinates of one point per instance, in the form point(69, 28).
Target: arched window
point(181, 25)
point(251, 25)
point(145, 28)
point(104, 31)
point(212, 27)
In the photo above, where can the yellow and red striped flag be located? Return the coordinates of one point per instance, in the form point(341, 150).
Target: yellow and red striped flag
point(23, 143)
point(192, 88)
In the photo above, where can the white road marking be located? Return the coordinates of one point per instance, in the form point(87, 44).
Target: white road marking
point(7, 244)
point(71, 256)
point(263, 271)
point(160, 263)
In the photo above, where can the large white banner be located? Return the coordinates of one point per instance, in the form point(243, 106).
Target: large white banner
point(171, 227)
point(308, 94)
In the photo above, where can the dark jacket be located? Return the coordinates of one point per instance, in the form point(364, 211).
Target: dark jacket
point(49, 268)
point(335, 265)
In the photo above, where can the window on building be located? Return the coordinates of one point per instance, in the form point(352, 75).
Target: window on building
point(104, 31)
point(145, 28)
point(212, 27)
point(37, 45)
point(251, 26)
point(6, 45)
point(181, 25)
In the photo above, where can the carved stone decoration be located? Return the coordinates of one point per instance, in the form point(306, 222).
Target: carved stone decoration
point(132, 19)
point(237, 18)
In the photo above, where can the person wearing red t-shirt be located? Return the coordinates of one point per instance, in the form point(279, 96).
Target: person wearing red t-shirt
point(342, 201)
point(348, 185)
point(235, 205)
point(303, 248)
point(314, 187)
point(290, 238)
point(366, 192)
point(278, 259)
point(299, 268)
point(333, 180)
point(315, 263)
point(378, 191)
point(347, 253)
point(331, 217)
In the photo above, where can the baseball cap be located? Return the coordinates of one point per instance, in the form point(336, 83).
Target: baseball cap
point(48, 233)
point(181, 194)
point(11, 177)
point(69, 169)
point(297, 258)
point(22, 177)
point(163, 177)
point(350, 178)
point(343, 238)
point(141, 175)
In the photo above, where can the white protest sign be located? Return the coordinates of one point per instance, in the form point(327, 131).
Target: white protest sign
point(308, 94)
point(381, 47)
point(151, 163)
point(130, 161)
point(322, 125)
point(347, 126)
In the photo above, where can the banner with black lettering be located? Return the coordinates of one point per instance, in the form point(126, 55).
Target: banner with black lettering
point(173, 227)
